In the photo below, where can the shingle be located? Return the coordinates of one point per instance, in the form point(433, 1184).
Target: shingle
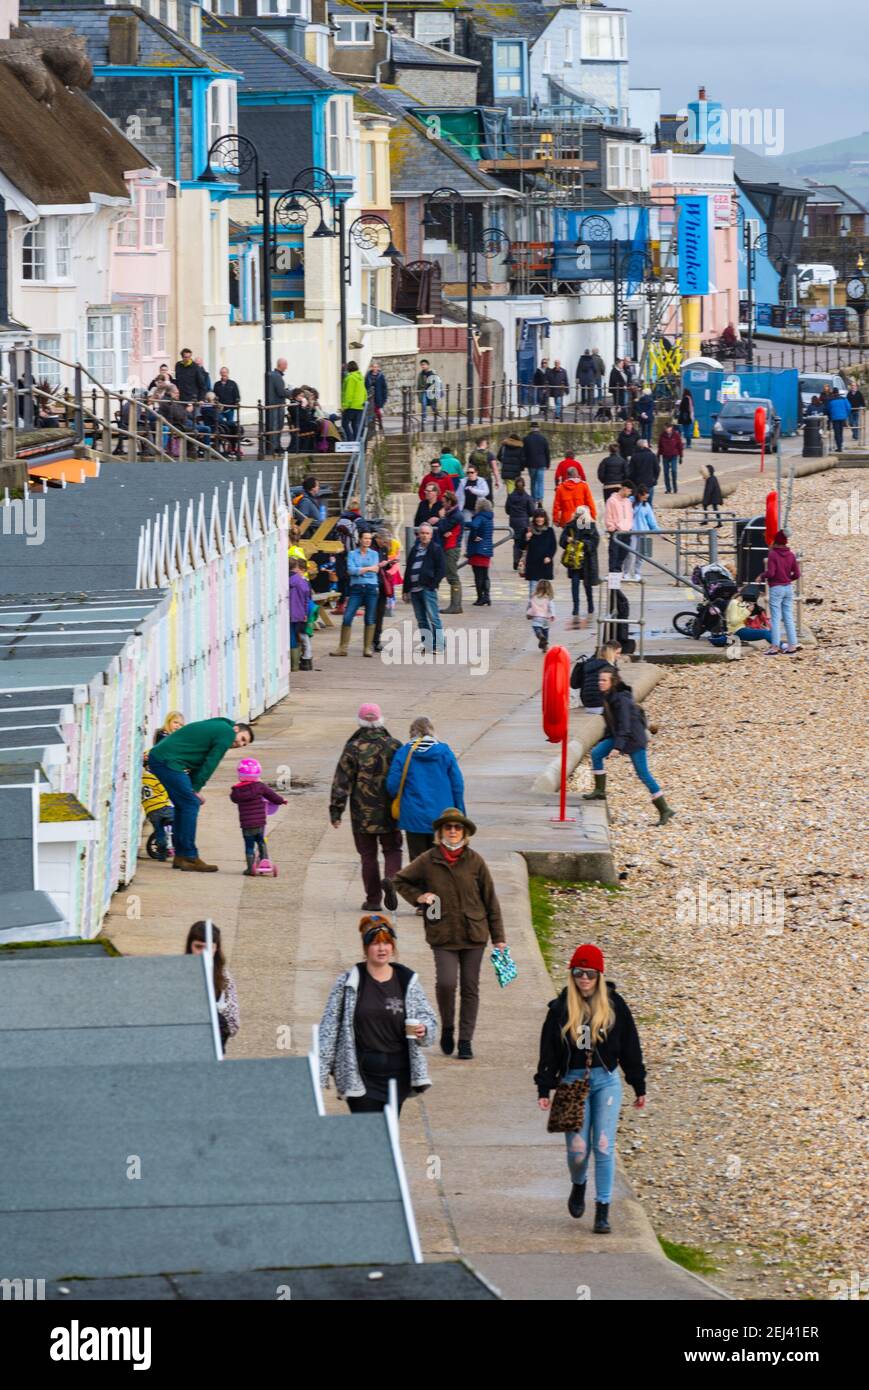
point(408, 53)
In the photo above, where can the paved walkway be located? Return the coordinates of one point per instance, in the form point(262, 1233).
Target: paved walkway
point(486, 1180)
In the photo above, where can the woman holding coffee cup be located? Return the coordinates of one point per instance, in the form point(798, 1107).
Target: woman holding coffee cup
point(375, 1025)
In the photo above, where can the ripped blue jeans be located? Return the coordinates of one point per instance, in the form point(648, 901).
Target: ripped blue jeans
point(602, 1107)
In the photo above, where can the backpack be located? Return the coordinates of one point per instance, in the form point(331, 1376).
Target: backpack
point(434, 387)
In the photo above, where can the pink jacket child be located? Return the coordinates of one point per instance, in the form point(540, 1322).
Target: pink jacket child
point(255, 802)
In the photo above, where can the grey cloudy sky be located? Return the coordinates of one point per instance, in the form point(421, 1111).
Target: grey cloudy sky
point(789, 54)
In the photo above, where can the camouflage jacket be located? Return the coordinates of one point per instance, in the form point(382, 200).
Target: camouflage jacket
point(361, 777)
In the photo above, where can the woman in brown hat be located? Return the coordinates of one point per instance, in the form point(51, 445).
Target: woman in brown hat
point(453, 885)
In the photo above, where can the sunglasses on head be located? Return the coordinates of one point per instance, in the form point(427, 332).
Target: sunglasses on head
point(581, 973)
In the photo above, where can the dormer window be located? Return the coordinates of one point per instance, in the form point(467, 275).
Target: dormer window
point(354, 33)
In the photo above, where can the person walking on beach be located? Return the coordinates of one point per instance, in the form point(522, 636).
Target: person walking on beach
point(580, 541)
point(454, 886)
point(686, 416)
point(360, 778)
point(519, 508)
point(539, 550)
point(780, 572)
point(628, 733)
point(424, 776)
point(588, 1033)
point(252, 796)
point(363, 571)
point(183, 762)
point(228, 1017)
point(541, 612)
point(424, 571)
point(376, 1021)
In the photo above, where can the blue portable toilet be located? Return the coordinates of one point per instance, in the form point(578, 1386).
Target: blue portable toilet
point(710, 385)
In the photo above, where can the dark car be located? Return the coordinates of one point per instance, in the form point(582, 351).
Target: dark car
point(734, 425)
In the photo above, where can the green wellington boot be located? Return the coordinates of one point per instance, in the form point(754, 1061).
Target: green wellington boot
point(599, 793)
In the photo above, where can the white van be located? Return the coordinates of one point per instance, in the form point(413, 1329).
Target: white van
point(817, 274)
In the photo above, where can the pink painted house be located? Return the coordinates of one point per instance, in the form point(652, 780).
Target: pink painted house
point(712, 175)
point(142, 273)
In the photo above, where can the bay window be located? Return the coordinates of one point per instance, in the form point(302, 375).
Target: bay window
point(604, 36)
point(109, 336)
point(46, 251)
point(222, 110)
point(509, 70)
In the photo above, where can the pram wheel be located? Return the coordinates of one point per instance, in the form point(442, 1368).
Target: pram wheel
point(684, 623)
point(153, 850)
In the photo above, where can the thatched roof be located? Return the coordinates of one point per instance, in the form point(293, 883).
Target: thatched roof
point(55, 145)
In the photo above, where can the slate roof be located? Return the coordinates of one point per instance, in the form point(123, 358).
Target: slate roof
point(32, 911)
point(62, 152)
point(420, 164)
point(266, 66)
point(109, 1010)
point(108, 512)
point(408, 53)
point(832, 193)
point(751, 168)
point(524, 19)
point(280, 1186)
point(159, 46)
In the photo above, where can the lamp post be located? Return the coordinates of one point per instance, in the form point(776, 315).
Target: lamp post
point(594, 231)
point(235, 155)
point(491, 242)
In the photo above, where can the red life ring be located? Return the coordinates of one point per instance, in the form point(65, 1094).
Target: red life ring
point(556, 694)
point(771, 517)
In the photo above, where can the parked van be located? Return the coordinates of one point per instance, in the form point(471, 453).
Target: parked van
point(815, 274)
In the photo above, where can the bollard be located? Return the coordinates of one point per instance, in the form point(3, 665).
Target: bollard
point(813, 444)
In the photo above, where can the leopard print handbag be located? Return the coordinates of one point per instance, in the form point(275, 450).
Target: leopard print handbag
point(567, 1110)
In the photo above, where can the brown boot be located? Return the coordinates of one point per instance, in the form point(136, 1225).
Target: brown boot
point(179, 863)
point(199, 866)
point(343, 641)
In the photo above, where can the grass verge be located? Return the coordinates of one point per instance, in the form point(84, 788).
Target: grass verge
point(688, 1256)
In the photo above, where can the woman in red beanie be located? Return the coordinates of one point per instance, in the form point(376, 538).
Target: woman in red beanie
point(589, 1027)
point(780, 573)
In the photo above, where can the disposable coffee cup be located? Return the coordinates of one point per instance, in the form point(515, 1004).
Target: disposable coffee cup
point(410, 1027)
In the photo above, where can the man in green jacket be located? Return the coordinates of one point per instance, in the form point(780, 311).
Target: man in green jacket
point(183, 762)
point(353, 398)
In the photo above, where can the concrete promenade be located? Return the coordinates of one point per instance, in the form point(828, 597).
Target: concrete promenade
point(487, 1182)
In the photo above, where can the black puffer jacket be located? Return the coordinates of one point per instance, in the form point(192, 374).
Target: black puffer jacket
point(628, 441)
point(625, 720)
point(519, 508)
point(620, 1048)
point(584, 676)
point(612, 470)
point(511, 457)
point(644, 468)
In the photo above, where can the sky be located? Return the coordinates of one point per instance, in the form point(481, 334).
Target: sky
point(788, 55)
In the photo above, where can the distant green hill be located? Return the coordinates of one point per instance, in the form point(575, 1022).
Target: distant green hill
point(845, 162)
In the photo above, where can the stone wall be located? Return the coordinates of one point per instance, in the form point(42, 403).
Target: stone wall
point(591, 442)
point(400, 370)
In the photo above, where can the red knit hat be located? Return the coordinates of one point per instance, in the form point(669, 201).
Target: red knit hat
point(591, 957)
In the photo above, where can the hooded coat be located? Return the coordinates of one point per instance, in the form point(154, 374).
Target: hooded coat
point(569, 495)
point(434, 781)
point(511, 457)
point(360, 777)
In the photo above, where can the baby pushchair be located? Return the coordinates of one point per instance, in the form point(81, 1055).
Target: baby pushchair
point(707, 619)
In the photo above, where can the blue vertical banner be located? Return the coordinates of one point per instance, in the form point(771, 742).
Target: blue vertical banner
point(693, 244)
